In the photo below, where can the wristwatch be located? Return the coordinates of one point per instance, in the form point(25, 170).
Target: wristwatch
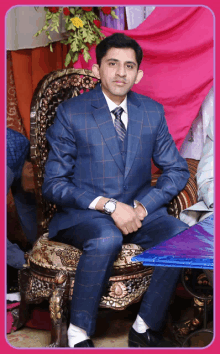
point(110, 206)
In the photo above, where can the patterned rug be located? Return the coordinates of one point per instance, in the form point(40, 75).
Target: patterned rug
point(112, 332)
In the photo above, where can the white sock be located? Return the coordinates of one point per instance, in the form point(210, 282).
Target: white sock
point(139, 325)
point(75, 335)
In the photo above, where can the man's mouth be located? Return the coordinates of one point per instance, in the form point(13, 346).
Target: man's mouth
point(120, 82)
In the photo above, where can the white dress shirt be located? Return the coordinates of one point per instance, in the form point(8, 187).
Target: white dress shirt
point(112, 105)
point(205, 182)
point(124, 117)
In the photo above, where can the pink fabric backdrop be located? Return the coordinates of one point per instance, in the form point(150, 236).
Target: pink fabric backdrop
point(177, 43)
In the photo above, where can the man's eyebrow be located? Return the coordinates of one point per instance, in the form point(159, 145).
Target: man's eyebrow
point(131, 62)
point(127, 62)
point(112, 59)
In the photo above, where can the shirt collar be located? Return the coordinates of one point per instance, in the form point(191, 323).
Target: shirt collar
point(112, 105)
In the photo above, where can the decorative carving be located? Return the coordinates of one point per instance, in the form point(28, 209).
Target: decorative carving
point(75, 80)
point(71, 288)
point(87, 82)
point(55, 307)
point(61, 277)
point(118, 290)
point(55, 88)
point(123, 263)
point(37, 289)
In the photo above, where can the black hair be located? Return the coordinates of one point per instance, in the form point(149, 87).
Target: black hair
point(118, 40)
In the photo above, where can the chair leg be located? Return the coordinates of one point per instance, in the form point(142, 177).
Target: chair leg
point(24, 313)
point(58, 320)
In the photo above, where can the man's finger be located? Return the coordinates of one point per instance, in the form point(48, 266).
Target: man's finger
point(125, 231)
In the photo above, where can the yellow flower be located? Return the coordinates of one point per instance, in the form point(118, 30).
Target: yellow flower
point(77, 22)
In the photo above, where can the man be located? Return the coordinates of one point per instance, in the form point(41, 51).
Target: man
point(18, 147)
point(205, 182)
point(99, 174)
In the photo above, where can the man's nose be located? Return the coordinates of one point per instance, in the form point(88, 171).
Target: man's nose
point(121, 70)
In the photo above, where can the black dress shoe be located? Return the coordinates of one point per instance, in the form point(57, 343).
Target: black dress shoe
point(148, 339)
point(84, 344)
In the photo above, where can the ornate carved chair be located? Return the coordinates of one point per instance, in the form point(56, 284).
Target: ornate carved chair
point(50, 269)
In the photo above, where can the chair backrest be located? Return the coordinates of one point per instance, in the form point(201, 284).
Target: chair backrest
point(53, 89)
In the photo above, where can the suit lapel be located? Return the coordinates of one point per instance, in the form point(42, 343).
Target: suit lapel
point(103, 119)
point(135, 123)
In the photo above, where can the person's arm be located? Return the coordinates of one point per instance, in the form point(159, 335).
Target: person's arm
point(124, 216)
point(205, 170)
point(175, 170)
point(58, 186)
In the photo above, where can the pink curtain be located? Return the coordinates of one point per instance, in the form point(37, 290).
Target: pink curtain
point(177, 43)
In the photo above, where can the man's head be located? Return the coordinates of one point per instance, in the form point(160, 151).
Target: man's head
point(118, 60)
point(118, 40)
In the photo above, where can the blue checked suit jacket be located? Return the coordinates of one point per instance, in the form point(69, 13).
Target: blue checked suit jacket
point(85, 161)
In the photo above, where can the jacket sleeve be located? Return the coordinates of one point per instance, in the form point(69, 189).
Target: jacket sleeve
point(58, 186)
point(205, 171)
point(174, 168)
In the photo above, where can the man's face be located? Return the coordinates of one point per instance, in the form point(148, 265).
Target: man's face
point(118, 72)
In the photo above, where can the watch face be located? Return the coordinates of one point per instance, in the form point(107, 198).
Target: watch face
point(110, 207)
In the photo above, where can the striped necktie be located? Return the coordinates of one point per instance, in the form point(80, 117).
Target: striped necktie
point(119, 125)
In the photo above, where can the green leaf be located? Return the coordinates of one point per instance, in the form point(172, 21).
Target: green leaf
point(75, 57)
point(69, 40)
point(64, 41)
point(79, 10)
point(70, 26)
point(86, 56)
point(49, 15)
point(38, 32)
point(74, 46)
point(68, 59)
point(51, 47)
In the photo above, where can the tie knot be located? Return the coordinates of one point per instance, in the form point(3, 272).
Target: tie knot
point(118, 112)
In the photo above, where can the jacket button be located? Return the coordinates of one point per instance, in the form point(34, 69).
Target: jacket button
point(125, 188)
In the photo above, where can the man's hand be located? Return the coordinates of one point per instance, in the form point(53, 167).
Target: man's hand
point(125, 218)
point(140, 212)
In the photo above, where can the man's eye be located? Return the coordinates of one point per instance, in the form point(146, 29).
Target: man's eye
point(111, 64)
point(130, 66)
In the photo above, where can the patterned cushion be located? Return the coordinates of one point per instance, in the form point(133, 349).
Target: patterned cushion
point(59, 256)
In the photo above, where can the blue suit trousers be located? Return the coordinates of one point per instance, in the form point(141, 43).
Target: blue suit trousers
point(101, 241)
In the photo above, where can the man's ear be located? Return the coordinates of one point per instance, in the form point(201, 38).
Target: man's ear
point(95, 70)
point(140, 74)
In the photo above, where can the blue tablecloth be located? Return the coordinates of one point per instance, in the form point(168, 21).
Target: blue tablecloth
point(192, 248)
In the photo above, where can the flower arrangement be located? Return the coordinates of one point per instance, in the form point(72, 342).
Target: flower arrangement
point(82, 28)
